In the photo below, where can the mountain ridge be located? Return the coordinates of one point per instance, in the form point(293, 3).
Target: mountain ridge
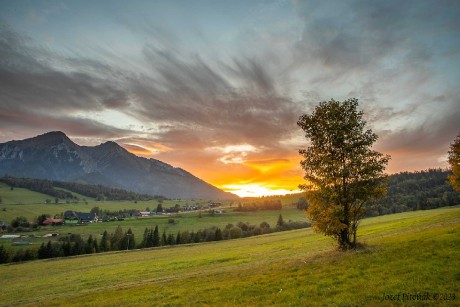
point(54, 156)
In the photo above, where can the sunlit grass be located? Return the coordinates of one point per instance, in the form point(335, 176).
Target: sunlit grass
point(23, 202)
point(410, 252)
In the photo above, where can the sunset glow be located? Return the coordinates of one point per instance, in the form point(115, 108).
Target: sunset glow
point(255, 190)
point(238, 169)
point(216, 87)
point(146, 150)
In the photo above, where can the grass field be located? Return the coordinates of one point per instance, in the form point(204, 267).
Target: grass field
point(30, 204)
point(414, 253)
point(183, 222)
point(23, 202)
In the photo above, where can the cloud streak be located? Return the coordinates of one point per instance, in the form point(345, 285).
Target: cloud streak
point(193, 90)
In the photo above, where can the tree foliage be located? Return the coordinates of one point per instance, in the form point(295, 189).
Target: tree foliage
point(409, 191)
point(266, 204)
point(454, 161)
point(342, 171)
point(280, 221)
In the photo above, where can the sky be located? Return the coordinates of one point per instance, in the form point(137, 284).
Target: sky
point(217, 87)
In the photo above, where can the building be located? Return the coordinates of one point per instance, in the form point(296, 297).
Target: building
point(144, 213)
point(51, 221)
point(72, 217)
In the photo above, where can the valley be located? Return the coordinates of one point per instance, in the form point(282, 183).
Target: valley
point(289, 268)
point(292, 267)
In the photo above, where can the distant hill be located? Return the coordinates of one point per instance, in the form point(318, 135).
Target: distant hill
point(410, 191)
point(54, 156)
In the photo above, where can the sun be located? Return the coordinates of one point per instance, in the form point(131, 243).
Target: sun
point(255, 190)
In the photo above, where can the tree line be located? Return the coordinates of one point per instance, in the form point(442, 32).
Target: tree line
point(73, 245)
point(268, 204)
point(410, 191)
point(36, 185)
point(420, 190)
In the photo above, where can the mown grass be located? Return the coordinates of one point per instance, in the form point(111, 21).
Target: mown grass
point(20, 195)
point(182, 222)
point(413, 252)
point(30, 204)
point(23, 202)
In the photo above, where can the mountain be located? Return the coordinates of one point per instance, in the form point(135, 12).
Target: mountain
point(54, 156)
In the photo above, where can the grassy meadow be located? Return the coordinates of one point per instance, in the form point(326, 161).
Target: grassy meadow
point(183, 222)
point(408, 253)
point(23, 202)
point(30, 204)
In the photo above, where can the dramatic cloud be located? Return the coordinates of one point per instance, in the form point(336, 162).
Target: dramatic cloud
point(400, 58)
point(217, 89)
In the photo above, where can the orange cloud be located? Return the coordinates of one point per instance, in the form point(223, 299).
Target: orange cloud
point(270, 176)
point(241, 169)
point(137, 150)
point(268, 165)
point(143, 147)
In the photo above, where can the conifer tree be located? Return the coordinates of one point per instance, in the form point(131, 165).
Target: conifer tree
point(105, 242)
point(164, 239)
point(116, 239)
point(156, 237)
point(280, 222)
point(178, 238)
point(171, 240)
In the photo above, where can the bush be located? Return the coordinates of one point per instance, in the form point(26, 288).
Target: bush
point(235, 233)
point(20, 221)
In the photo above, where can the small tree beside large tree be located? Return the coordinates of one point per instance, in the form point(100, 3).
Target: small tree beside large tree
point(342, 170)
point(454, 161)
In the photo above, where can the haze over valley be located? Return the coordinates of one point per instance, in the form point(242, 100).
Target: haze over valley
point(216, 88)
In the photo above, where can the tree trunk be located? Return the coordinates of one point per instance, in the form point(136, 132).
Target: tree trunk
point(344, 239)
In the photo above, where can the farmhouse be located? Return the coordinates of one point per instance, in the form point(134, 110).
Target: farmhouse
point(49, 235)
point(214, 204)
point(144, 213)
point(72, 217)
point(189, 208)
point(51, 221)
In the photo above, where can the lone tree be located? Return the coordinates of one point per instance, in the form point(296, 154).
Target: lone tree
point(341, 169)
point(454, 161)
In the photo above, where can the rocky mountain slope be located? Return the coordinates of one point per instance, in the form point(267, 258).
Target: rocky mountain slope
point(54, 156)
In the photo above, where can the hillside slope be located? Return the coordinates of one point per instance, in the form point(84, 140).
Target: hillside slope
point(410, 253)
point(21, 196)
point(54, 156)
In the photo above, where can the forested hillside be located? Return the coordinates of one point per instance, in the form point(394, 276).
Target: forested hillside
point(408, 191)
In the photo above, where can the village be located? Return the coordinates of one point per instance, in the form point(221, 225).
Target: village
point(71, 217)
point(75, 218)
